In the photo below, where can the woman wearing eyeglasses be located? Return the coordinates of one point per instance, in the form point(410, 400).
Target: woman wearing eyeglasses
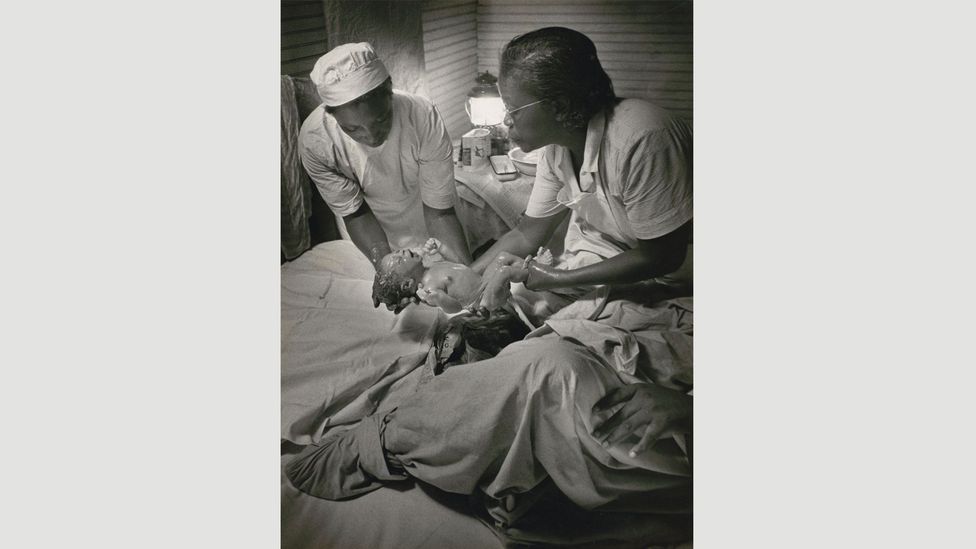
point(621, 169)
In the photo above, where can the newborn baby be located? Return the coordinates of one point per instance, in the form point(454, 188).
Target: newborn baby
point(456, 289)
point(450, 286)
point(424, 273)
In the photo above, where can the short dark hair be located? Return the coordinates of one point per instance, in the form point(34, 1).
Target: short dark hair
point(388, 288)
point(386, 88)
point(560, 65)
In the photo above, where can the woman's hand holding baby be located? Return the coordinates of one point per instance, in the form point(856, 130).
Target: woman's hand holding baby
point(495, 287)
point(505, 269)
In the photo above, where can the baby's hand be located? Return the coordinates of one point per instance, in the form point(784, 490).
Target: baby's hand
point(431, 246)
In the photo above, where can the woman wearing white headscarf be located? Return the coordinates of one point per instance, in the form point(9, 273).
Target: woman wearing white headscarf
point(381, 158)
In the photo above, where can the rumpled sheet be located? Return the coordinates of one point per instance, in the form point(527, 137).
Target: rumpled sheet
point(405, 515)
point(340, 357)
point(342, 360)
point(642, 343)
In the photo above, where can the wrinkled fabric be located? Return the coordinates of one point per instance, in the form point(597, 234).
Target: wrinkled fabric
point(615, 346)
point(404, 515)
point(510, 429)
point(664, 335)
point(503, 426)
point(296, 200)
point(507, 427)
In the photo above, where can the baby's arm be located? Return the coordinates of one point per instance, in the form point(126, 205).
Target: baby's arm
point(431, 251)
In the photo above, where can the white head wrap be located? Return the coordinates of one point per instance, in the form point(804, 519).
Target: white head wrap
point(347, 72)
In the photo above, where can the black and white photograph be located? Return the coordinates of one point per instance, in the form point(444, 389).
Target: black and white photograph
point(487, 275)
point(535, 273)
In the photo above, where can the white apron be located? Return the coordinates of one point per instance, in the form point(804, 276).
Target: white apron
point(598, 229)
point(594, 233)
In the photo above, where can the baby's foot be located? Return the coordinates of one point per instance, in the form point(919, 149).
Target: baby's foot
point(543, 256)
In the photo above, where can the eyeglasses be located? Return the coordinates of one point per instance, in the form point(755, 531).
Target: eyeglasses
point(509, 113)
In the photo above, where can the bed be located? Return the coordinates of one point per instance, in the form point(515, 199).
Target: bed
point(342, 359)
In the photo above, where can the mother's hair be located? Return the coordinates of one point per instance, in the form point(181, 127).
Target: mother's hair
point(560, 65)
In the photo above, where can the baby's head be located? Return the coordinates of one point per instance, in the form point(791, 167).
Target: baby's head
point(397, 276)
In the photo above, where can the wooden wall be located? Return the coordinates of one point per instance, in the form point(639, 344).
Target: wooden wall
point(644, 45)
point(451, 57)
point(303, 37)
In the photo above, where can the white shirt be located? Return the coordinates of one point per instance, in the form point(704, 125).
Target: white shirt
point(638, 163)
point(414, 166)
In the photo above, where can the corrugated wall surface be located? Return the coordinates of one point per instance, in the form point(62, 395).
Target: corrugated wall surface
point(644, 45)
point(303, 38)
point(451, 58)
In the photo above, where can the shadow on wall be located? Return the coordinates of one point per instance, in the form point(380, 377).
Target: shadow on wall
point(395, 29)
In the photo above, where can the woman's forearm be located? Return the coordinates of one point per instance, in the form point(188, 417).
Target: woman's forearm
point(627, 267)
point(445, 226)
point(513, 242)
point(367, 234)
point(524, 239)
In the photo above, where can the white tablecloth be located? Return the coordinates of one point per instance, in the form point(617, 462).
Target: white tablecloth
point(507, 198)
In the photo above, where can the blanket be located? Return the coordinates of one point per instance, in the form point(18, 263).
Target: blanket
point(342, 359)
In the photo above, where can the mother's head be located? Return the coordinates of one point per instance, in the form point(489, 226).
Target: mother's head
point(556, 71)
